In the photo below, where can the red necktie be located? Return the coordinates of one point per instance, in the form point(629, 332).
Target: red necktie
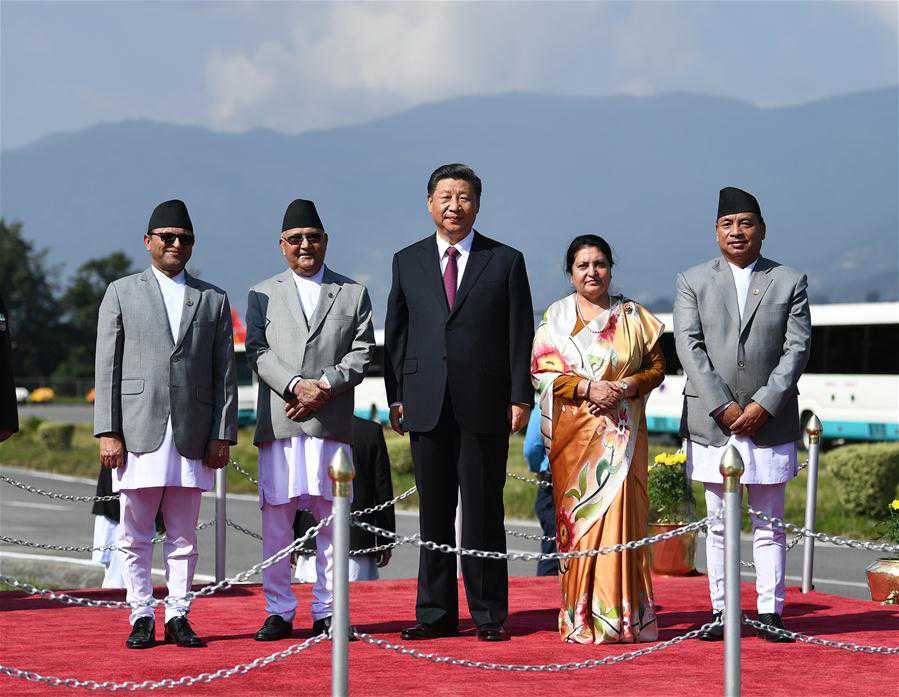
point(451, 276)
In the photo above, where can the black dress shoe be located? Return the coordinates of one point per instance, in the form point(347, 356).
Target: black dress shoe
point(323, 626)
point(715, 633)
point(772, 619)
point(178, 631)
point(143, 634)
point(492, 632)
point(275, 627)
point(422, 631)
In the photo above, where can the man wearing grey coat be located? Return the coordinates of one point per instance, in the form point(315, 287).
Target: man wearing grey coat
point(165, 412)
point(742, 330)
point(310, 341)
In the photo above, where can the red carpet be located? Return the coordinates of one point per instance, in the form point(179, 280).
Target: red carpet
point(50, 638)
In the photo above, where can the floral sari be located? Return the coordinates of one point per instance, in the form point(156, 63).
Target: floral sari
point(599, 466)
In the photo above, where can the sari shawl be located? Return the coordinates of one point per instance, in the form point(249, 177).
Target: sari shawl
point(590, 455)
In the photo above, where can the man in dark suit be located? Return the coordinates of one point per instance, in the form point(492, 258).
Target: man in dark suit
point(458, 336)
point(372, 486)
point(9, 415)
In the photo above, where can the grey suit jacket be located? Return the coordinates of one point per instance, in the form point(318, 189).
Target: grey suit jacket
point(144, 374)
point(336, 342)
point(757, 359)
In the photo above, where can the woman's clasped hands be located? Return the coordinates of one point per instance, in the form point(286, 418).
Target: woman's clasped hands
point(604, 395)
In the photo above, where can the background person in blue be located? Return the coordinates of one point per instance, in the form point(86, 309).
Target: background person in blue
point(544, 506)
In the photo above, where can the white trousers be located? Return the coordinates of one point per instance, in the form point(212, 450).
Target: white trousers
point(362, 568)
point(769, 546)
point(277, 533)
point(180, 510)
point(106, 532)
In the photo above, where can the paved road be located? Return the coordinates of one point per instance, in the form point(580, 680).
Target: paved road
point(60, 413)
point(36, 518)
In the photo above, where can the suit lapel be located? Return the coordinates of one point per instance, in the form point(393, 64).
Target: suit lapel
point(153, 298)
point(329, 292)
point(189, 309)
point(477, 261)
point(430, 263)
point(291, 298)
point(758, 284)
point(727, 288)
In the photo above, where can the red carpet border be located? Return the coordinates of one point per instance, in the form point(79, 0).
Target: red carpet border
point(54, 639)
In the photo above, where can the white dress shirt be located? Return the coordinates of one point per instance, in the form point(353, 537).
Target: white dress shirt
point(463, 246)
point(165, 466)
point(308, 289)
point(742, 279)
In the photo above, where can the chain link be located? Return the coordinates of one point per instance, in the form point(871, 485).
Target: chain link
point(534, 556)
point(184, 681)
point(246, 531)
point(236, 465)
point(224, 584)
point(75, 548)
point(534, 668)
point(845, 645)
point(528, 480)
point(526, 536)
point(55, 495)
point(387, 504)
point(823, 537)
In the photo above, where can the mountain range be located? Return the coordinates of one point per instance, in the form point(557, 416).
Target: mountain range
point(644, 172)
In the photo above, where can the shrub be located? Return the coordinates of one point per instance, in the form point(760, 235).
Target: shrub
point(867, 477)
point(670, 493)
point(30, 425)
point(56, 436)
point(891, 527)
point(400, 454)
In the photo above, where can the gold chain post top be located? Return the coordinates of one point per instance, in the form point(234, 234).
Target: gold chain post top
point(731, 468)
point(341, 472)
point(814, 428)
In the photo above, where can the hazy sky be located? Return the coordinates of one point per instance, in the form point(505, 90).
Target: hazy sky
point(298, 66)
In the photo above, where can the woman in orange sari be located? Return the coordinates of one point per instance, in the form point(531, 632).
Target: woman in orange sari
point(596, 357)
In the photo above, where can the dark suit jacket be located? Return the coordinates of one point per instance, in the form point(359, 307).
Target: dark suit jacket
point(371, 486)
point(481, 350)
point(9, 415)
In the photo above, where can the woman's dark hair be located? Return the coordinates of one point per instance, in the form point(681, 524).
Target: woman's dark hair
point(582, 241)
point(455, 171)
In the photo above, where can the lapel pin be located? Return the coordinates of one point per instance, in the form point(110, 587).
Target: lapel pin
point(190, 302)
point(755, 291)
point(330, 295)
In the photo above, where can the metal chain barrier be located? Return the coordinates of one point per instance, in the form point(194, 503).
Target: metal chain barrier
point(231, 524)
point(528, 480)
point(236, 465)
point(534, 668)
point(823, 537)
point(387, 504)
point(526, 536)
point(168, 683)
point(535, 556)
point(224, 584)
point(75, 548)
point(845, 645)
point(55, 495)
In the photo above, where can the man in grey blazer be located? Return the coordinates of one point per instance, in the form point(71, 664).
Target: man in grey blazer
point(310, 340)
point(165, 412)
point(742, 331)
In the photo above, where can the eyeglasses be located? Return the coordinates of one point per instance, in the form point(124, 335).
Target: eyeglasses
point(310, 237)
point(168, 238)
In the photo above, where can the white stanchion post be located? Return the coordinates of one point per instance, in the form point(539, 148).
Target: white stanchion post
point(731, 469)
point(811, 503)
point(341, 472)
point(221, 517)
point(459, 532)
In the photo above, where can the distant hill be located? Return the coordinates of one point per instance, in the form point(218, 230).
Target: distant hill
point(644, 172)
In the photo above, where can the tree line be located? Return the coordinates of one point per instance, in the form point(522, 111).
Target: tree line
point(52, 318)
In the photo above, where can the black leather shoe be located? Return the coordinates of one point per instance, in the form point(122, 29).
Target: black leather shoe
point(772, 619)
point(492, 632)
point(178, 631)
point(323, 626)
point(275, 627)
point(422, 631)
point(715, 633)
point(143, 634)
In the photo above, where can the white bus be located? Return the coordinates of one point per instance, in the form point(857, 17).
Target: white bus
point(851, 383)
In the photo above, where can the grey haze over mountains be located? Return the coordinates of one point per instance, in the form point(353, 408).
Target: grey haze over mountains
point(642, 171)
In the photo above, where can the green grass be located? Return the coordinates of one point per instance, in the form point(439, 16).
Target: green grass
point(24, 450)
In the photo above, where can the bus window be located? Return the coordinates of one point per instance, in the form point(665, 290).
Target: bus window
point(244, 374)
point(867, 349)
